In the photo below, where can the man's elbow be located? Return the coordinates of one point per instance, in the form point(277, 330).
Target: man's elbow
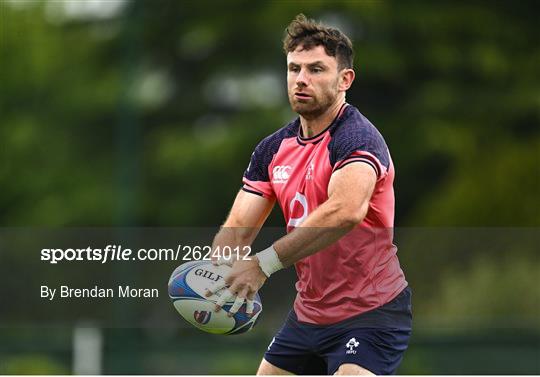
point(353, 219)
point(350, 216)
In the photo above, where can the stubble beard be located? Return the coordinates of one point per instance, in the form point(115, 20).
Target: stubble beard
point(315, 106)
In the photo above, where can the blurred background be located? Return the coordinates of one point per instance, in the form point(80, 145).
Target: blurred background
point(145, 113)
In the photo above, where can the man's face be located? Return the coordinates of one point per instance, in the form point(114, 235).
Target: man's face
point(312, 81)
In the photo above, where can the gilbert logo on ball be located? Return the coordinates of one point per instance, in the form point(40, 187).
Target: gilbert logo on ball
point(187, 287)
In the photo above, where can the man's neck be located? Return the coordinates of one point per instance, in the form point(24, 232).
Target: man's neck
point(312, 127)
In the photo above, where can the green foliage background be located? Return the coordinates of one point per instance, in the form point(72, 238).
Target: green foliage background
point(146, 112)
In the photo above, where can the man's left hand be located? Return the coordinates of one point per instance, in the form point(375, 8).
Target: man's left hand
point(240, 284)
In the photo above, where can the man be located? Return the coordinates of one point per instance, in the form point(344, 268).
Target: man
point(331, 172)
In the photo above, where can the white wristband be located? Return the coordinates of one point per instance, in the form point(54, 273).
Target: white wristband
point(269, 261)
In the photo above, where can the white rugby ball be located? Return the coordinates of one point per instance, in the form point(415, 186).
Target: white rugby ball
point(187, 287)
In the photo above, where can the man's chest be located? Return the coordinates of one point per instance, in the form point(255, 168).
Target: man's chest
point(300, 170)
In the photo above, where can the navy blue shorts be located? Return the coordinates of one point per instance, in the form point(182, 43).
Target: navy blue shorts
point(375, 340)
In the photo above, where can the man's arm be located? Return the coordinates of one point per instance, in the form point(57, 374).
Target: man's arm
point(349, 192)
point(247, 215)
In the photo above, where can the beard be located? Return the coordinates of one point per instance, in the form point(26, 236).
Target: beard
point(315, 106)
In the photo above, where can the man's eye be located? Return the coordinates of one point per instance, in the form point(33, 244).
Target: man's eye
point(294, 69)
point(316, 70)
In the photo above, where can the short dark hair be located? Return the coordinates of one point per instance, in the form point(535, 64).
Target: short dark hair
point(309, 34)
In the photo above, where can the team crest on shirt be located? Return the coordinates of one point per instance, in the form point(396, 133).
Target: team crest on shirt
point(309, 174)
point(281, 173)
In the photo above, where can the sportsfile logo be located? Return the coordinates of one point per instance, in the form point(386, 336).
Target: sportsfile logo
point(281, 173)
point(351, 345)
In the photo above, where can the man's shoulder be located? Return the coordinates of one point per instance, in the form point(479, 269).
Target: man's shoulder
point(354, 132)
point(354, 122)
point(273, 141)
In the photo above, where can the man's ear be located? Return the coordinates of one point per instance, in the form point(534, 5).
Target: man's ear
point(346, 78)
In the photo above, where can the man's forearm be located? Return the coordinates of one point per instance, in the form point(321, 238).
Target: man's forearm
point(235, 237)
point(323, 227)
point(306, 241)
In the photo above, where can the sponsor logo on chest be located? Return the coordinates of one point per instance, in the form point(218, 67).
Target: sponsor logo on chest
point(281, 173)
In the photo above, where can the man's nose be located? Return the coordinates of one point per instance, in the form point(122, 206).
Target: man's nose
point(302, 78)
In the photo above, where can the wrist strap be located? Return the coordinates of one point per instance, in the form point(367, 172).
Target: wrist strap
point(269, 261)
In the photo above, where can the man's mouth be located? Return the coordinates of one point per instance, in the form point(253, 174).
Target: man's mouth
point(300, 95)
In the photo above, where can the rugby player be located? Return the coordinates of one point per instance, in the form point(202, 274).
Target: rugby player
point(331, 172)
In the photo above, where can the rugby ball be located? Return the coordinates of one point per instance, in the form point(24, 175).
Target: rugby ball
point(187, 287)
